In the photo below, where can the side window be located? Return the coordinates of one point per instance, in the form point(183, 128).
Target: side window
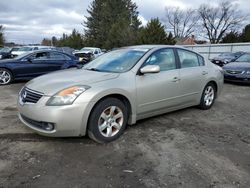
point(165, 58)
point(188, 59)
point(56, 56)
point(201, 60)
point(40, 56)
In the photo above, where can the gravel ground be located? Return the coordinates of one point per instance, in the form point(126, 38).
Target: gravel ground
point(187, 148)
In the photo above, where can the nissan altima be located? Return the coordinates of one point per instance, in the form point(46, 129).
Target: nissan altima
point(116, 89)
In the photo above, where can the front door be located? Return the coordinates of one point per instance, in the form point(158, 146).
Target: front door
point(158, 91)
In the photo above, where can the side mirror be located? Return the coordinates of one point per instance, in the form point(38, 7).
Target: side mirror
point(226, 61)
point(29, 59)
point(150, 69)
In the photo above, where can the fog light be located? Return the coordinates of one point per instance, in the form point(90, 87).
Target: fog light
point(49, 126)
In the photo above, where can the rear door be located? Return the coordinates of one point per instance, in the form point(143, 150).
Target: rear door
point(56, 61)
point(193, 75)
point(158, 91)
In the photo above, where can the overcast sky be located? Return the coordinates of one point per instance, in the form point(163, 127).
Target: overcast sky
point(29, 21)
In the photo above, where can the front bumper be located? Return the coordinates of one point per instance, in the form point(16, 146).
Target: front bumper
point(237, 78)
point(69, 120)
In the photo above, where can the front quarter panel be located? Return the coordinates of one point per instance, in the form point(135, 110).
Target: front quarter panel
point(100, 90)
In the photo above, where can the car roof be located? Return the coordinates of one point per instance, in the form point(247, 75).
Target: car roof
point(48, 50)
point(155, 46)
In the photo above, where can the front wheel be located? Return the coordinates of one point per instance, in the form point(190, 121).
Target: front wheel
point(108, 120)
point(5, 76)
point(208, 97)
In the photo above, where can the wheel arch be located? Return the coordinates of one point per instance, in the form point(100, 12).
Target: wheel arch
point(11, 71)
point(215, 85)
point(119, 95)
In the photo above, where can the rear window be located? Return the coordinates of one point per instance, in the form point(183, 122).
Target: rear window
point(201, 60)
point(188, 59)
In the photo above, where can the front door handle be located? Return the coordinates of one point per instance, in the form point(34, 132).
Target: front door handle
point(176, 79)
point(204, 73)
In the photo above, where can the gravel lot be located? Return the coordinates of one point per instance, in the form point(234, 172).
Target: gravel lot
point(187, 148)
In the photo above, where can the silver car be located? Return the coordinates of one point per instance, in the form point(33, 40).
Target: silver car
point(116, 89)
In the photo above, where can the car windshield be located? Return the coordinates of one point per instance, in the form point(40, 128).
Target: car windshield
point(117, 61)
point(24, 49)
point(87, 50)
point(22, 55)
point(6, 50)
point(226, 55)
point(244, 58)
point(15, 49)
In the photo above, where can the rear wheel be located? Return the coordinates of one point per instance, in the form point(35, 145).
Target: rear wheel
point(108, 120)
point(5, 76)
point(208, 97)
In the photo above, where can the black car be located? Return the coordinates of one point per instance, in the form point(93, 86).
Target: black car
point(5, 53)
point(239, 70)
point(226, 57)
point(34, 64)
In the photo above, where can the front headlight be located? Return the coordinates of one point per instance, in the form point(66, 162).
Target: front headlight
point(66, 96)
point(1, 56)
point(248, 72)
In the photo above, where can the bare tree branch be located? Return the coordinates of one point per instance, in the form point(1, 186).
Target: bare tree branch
point(217, 21)
point(181, 22)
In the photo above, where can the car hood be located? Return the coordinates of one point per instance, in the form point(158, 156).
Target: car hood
point(6, 61)
point(19, 52)
point(83, 52)
point(237, 66)
point(223, 58)
point(52, 83)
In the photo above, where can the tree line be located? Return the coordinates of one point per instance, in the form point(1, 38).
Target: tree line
point(111, 24)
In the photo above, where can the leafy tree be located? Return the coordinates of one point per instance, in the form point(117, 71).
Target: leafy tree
point(111, 24)
point(54, 41)
point(231, 37)
point(46, 42)
point(74, 40)
point(1, 36)
point(154, 33)
point(245, 36)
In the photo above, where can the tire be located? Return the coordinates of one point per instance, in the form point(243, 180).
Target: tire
point(208, 97)
point(5, 76)
point(103, 126)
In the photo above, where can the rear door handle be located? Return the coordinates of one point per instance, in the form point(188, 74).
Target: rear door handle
point(204, 73)
point(176, 79)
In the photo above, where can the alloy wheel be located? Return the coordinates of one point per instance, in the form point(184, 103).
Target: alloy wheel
point(209, 96)
point(5, 77)
point(110, 121)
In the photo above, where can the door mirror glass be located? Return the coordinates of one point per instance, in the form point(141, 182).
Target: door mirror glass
point(150, 69)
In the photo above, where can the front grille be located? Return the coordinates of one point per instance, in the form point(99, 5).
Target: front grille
point(234, 72)
point(30, 96)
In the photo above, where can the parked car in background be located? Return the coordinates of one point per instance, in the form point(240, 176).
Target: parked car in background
point(226, 57)
point(6, 53)
point(27, 49)
point(66, 50)
point(118, 88)
point(34, 64)
point(87, 54)
point(239, 70)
